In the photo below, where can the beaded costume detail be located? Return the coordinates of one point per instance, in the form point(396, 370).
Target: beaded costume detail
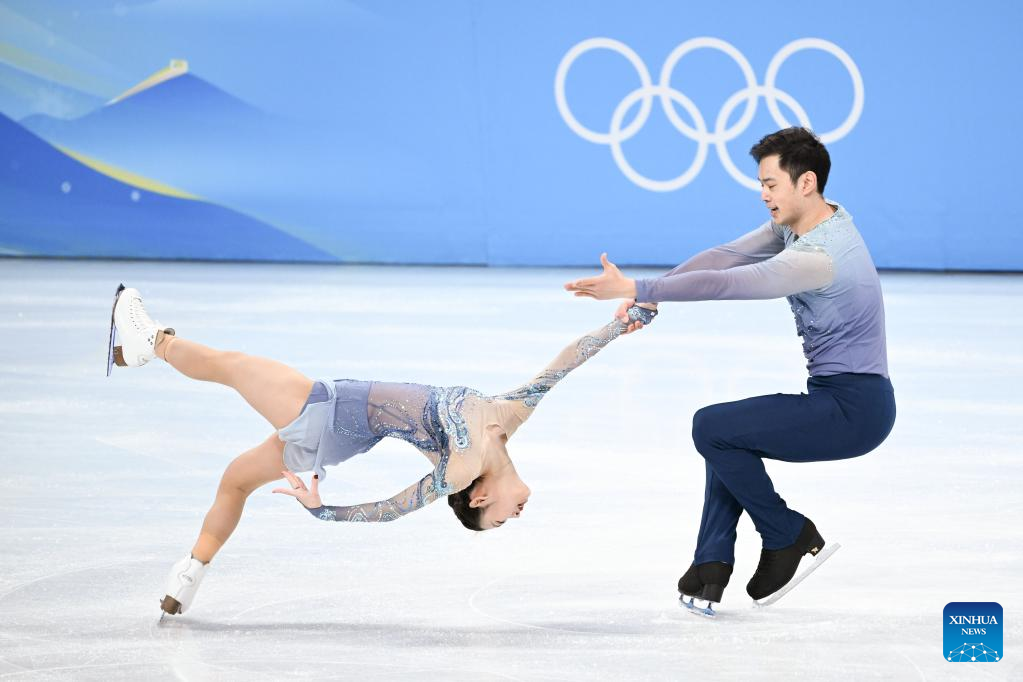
point(442, 422)
point(449, 406)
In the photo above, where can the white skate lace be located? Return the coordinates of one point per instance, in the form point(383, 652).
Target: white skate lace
point(140, 319)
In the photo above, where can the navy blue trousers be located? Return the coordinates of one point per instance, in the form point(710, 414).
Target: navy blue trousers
point(841, 416)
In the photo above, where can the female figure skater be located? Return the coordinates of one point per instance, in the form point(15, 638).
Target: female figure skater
point(321, 423)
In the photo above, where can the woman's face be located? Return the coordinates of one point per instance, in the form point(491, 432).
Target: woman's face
point(501, 499)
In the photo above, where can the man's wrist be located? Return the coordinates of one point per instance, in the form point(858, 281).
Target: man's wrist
point(640, 287)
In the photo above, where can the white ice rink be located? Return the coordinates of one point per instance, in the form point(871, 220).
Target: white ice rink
point(104, 482)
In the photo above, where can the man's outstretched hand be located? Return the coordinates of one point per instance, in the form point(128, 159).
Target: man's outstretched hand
point(609, 284)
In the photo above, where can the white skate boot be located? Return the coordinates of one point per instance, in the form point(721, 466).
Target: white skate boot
point(182, 584)
point(135, 330)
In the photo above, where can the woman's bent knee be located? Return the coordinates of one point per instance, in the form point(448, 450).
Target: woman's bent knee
point(255, 468)
point(234, 484)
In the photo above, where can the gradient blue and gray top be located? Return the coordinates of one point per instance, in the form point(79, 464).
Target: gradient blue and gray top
point(827, 275)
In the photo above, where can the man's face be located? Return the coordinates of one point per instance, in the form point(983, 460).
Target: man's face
point(779, 192)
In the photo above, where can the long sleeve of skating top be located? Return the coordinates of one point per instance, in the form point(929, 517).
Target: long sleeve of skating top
point(754, 266)
point(450, 426)
point(827, 275)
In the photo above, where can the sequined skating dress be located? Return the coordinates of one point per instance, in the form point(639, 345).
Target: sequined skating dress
point(448, 425)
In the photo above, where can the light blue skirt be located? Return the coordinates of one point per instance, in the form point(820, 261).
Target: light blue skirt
point(333, 427)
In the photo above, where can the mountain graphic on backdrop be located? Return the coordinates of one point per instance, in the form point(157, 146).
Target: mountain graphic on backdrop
point(63, 203)
point(170, 99)
point(178, 128)
point(177, 67)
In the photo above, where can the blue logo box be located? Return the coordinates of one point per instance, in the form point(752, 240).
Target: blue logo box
point(973, 632)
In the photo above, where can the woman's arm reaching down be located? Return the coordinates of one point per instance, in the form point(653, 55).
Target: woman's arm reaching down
point(414, 497)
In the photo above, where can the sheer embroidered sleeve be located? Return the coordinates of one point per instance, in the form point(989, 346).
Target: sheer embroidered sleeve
point(526, 397)
point(414, 497)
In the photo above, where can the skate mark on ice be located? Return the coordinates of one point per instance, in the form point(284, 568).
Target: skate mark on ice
point(64, 521)
point(5, 661)
point(912, 663)
point(58, 574)
point(472, 605)
point(161, 628)
point(174, 648)
point(278, 602)
point(138, 453)
point(520, 624)
point(18, 637)
point(684, 615)
point(106, 666)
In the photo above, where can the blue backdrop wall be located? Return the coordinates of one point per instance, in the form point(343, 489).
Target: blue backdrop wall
point(504, 133)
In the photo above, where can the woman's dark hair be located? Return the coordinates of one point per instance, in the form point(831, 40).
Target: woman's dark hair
point(798, 150)
point(469, 516)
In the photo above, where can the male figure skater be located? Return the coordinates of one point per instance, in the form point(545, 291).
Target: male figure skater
point(811, 253)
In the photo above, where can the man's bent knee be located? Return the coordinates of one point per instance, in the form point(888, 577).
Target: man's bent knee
point(707, 429)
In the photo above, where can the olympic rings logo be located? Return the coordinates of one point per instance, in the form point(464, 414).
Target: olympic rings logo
point(699, 133)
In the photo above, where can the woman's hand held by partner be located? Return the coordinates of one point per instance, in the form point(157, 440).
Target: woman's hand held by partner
point(622, 315)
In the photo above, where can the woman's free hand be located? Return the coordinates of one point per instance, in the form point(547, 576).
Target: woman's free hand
point(309, 497)
point(609, 284)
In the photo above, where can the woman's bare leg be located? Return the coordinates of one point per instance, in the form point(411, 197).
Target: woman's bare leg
point(273, 389)
point(248, 471)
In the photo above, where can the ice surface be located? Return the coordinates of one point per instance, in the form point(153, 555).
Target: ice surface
point(103, 484)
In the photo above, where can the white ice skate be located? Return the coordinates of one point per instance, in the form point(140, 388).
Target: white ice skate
point(131, 325)
point(182, 584)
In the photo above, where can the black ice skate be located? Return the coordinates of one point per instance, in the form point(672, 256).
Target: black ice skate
point(777, 566)
point(706, 583)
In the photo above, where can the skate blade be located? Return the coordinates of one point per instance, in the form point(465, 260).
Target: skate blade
point(170, 605)
point(821, 557)
point(691, 607)
point(114, 352)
